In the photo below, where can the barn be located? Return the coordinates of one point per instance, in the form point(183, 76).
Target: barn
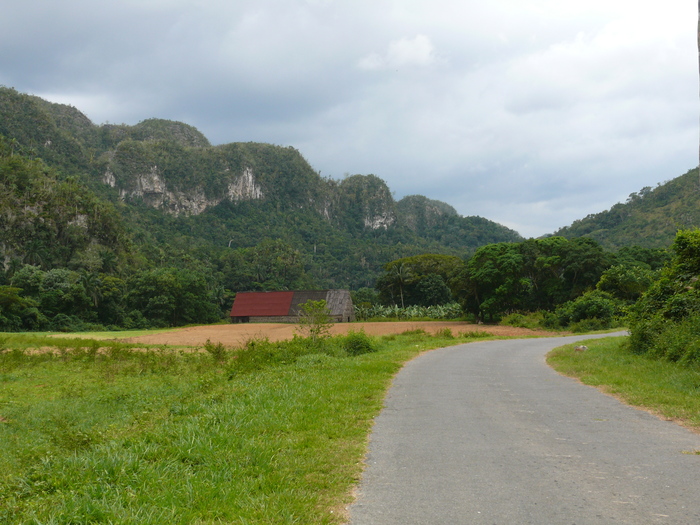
point(285, 307)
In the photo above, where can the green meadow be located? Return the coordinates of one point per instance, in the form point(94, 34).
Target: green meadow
point(96, 431)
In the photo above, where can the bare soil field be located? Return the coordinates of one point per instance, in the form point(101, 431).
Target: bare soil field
point(239, 334)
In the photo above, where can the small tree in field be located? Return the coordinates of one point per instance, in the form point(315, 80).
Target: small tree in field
point(315, 320)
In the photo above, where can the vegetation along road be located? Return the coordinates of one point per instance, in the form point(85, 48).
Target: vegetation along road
point(488, 433)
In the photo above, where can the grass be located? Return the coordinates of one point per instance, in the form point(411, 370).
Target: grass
point(167, 436)
point(122, 334)
point(661, 387)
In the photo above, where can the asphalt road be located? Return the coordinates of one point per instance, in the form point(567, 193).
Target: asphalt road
point(487, 433)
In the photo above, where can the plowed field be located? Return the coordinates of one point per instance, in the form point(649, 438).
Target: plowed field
point(239, 334)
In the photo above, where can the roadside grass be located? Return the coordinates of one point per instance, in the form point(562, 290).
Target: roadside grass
point(664, 388)
point(152, 436)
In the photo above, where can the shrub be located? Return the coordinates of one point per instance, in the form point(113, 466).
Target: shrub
point(260, 353)
point(514, 319)
point(644, 332)
point(475, 334)
point(532, 320)
point(445, 333)
point(664, 322)
point(255, 354)
point(590, 325)
point(217, 351)
point(550, 320)
point(678, 341)
point(358, 343)
point(595, 305)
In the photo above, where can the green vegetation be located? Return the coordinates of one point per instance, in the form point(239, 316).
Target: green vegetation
point(315, 320)
point(568, 281)
point(663, 387)
point(657, 366)
point(421, 280)
point(450, 311)
point(649, 218)
point(105, 432)
point(665, 322)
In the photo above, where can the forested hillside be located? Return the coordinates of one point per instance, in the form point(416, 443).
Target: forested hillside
point(649, 218)
point(122, 209)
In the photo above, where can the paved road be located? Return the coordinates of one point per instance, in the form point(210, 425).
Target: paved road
point(487, 433)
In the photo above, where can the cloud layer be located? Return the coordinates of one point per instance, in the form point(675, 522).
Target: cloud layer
point(532, 113)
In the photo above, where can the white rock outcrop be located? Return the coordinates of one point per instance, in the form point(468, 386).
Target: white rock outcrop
point(153, 189)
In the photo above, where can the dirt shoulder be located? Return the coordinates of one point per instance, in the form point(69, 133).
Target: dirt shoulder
point(239, 334)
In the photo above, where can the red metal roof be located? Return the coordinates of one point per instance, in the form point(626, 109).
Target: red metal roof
point(260, 304)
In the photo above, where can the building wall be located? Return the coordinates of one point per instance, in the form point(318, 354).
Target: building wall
point(275, 319)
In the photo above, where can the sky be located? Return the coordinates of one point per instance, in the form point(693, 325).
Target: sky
point(530, 113)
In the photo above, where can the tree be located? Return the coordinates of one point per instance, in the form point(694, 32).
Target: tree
point(584, 262)
point(626, 282)
point(432, 291)
point(315, 320)
point(17, 312)
point(91, 283)
point(493, 281)
point(270, 265)
point(537, 274)
point(172, 297)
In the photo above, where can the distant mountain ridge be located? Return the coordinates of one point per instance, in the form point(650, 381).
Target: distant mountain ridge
point(650, 217)
point(172, 166)
point(176, 190)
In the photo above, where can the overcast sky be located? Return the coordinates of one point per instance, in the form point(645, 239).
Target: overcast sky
point(531, 113)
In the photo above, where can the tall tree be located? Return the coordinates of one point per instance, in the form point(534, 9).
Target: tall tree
point(401, 274)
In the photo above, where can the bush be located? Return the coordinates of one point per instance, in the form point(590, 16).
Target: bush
point(532, 320)
point(444, 333)
point(550, 320)
point(217, 351)
point(590, 325)
point(358, 343)
point(260, 353)
point(600, 309)
point(644, 332)
point(665, 322)
point(72, 323)
point(677, 341)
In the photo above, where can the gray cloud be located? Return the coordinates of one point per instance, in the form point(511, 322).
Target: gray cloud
point(532, 114)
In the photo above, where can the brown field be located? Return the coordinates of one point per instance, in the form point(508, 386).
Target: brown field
point(239, 334)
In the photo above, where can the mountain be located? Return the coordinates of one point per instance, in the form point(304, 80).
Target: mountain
point(650, 218)
point(181, 201)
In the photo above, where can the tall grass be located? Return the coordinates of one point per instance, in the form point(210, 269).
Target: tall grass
point(273, 433)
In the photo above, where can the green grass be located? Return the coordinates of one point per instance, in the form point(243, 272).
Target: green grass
point(166, 436)
point(667, 389)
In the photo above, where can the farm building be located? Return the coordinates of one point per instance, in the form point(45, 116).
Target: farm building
point(285, 307)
